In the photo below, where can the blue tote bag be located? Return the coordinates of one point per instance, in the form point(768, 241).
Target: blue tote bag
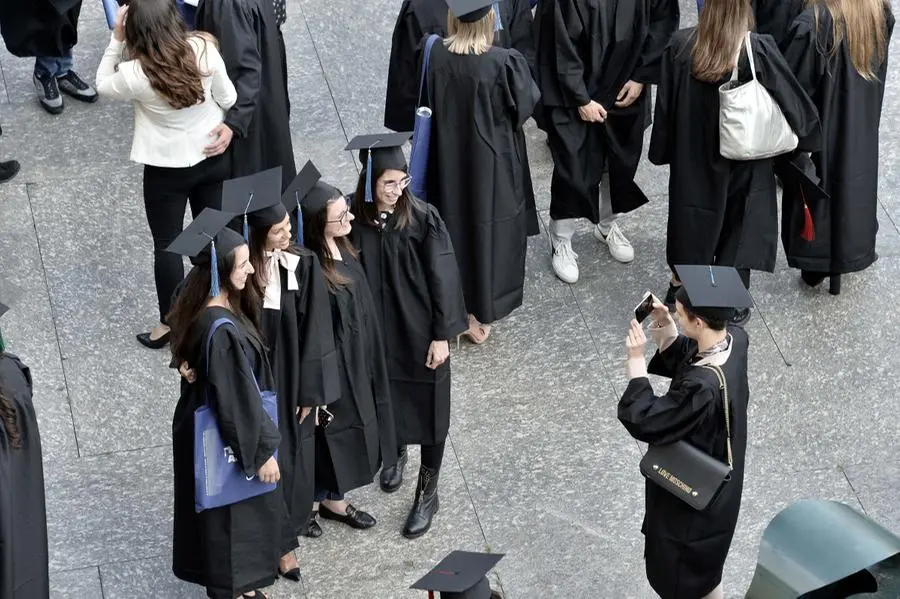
point(218, 478)
point(418, 154)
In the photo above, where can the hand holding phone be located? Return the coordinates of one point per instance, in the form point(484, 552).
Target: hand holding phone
point(645, 307)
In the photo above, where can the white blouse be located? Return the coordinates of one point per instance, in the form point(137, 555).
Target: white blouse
point(166, 136)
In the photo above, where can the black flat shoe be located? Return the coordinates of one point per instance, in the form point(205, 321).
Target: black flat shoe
point(292, 574)
point(392, 476)
point(8, 170)
point(354, 518)
point(158, 343)
point(313, 530)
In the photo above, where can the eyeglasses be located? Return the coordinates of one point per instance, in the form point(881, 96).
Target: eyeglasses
point(397, 186)
point(342, 218)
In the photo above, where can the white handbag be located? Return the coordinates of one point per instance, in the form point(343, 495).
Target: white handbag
point(751, 124)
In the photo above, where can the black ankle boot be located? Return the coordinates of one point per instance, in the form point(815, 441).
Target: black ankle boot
point(392, 476)
point(425, 505)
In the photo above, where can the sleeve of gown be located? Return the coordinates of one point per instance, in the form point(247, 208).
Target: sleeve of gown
point(521, 91)
point(319, 383)
point(238, 41)
point(802, 55)
point(403, 72)
point(381, 389)
point(665, 362)
point(661, 419)
point(660, 151)
point(776, 76)
point(568, 31)
point(664, 16)
point(450, 317)
point(521, 30)
point(243, 423)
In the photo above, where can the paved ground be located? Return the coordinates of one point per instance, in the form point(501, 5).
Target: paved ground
point(539, 467)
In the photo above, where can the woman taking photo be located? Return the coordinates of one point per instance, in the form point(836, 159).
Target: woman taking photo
point(478, 177)
point(231, 550)
point(685, 549)
point(177, 83)
point(838, 50)
point(411, 268)
point(710, 220)
point(350, 447)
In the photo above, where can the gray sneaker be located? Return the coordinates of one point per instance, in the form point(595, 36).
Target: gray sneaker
point(73, 85)
point(48, 92)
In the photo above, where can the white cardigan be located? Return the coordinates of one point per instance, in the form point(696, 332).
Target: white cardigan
point(165, 136)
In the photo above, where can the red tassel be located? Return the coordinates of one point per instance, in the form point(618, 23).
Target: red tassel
point(809, 231)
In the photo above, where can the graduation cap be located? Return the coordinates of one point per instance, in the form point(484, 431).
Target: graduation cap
point(208, 240)
point(379, 152)
point(460, 575)
point(470, 11)
point(257, 197)
point(317, 197)
point(302, 184)
point(801, 172)
point(713, 292)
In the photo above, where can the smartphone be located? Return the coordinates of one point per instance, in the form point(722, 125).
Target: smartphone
point(325, 417)
point(645, 308)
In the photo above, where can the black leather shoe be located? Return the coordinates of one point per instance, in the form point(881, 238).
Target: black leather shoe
point(425, 505)
point(392, 476)
point(292, 574)
point(8, 170)
point(313, 530)
point(158, 343)
point(354, 518)
point(741, 317)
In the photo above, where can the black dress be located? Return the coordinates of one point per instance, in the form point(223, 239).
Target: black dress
point(23, 517)
point(721, 211)
point(362, 434)
point(40, 27)
point(301, 350)
point(478, 176)
point(232, 549)
point(419, 18)
point(414, 280)
point(587, 50)
point(847, 163)
point(251, 47)
point(685, 549)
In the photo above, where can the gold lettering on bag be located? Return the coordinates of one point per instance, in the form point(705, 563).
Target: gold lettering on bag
point(677, 482)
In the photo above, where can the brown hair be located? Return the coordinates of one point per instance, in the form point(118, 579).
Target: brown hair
point(722, 27)
point(157, 37)
point(258, 236)
point(470, 38)
point(314, 239)
point(367, 212)
point(9, 418)
point(862, 23)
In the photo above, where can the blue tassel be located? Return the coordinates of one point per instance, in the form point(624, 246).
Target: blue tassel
point(299, 219)
point(214, 272)
point(497, 24)
point(246, 230)
point(369, 177)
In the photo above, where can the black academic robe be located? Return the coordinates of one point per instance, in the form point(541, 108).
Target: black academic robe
point(721, 211)
point(587, 50)
point(250, 42)
point(847, 163)
point(414, 279)
point(478, 175)
point(685, 549)
point(419, 18)
point(774, 17)
point(232, 549)
point(362, 435)
point(23, 517)
point(39, 27)
point(301, 350)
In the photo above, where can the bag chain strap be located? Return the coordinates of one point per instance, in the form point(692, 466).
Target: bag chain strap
point(724, 387)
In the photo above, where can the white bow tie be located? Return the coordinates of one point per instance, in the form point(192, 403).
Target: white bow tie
point(289, 262)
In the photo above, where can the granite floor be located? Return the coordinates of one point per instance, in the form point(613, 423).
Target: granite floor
point(538, 467)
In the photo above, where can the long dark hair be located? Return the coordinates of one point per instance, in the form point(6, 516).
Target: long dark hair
point(157, 37)
point(192, 300)
point(258, 236)
point(367, 212)
point(314, 236)
point(10, 419)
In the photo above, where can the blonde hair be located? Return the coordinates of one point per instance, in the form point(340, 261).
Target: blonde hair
point(470, 38)
point(862, 23)
point(720, 32)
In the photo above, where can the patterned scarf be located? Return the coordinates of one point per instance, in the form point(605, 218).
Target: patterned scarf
point(280, 12)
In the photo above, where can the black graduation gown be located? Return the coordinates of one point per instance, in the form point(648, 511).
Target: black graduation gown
point(478, 175)
point(587, 50)
point(721, 211)
point(847, 164)
point(301, 350)
point(685, 549)
point(775, 17)
point(250, 43)
point(419, 18)
point(362, 435)
point(23, 517)
point(232, 549)
point(414, 279)
point(39, 27)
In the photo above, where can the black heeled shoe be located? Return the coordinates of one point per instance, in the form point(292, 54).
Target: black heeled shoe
point(354, 518)
point(292, 574)
point(313, 530)
point(834, 284)
point(158, 343)
point(813, 278)
point(425, 505)
point(392, 476)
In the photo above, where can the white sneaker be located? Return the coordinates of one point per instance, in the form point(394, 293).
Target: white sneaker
point(564, 264)
point(619, 246)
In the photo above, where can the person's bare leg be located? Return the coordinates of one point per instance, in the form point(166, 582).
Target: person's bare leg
point(288, 562)
point(717, 593)
point(158, 331)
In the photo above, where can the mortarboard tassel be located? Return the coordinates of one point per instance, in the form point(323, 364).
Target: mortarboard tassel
point(246, 226)
point(498, 25)
point(299, 219)
point(809, 231)
point(369, 177)
point(214, 272)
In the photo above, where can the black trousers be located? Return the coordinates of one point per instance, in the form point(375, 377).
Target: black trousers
point(432, 455)
point(166, 193)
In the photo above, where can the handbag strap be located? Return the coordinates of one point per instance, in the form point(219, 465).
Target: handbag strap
point(425, 60)
point(219, 322)
point(737, 61)
point(723, 385)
